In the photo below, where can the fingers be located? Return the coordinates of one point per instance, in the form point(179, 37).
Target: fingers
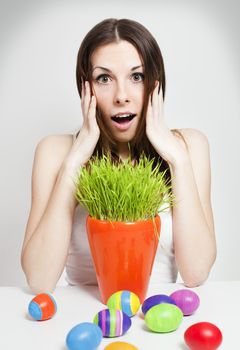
point(149, 108)
point(160, 99)
point(157, 101)
point(87, 100)
point(82, 88)
point(161, 94)
point(92, 108)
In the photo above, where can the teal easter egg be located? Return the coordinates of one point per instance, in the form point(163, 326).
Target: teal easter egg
point(163, 318)
point(124, 300)
point(112, 322)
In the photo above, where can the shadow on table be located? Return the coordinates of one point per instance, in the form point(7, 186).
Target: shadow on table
point(93, 290)
point(182, 346)
point(89, 289)
point(27, 290)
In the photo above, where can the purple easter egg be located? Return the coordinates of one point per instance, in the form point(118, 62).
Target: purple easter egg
point(155, 300)
point(187, 300)
point(112, 322)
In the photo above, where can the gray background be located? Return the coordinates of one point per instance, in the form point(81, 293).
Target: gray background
point(38, 96)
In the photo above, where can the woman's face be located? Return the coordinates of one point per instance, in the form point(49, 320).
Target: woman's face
point(118, 83)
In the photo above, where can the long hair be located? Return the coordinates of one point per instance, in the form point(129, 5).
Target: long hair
point(112, 30)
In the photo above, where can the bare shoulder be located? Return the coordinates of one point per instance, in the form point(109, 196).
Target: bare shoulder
point(58, 142)
point(54, 147)
point(194, 135)
point(192, 139)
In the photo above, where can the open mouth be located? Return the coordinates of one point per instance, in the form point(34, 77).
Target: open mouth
point(123, 119)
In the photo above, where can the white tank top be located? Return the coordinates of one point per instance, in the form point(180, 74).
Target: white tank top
point(79, 265)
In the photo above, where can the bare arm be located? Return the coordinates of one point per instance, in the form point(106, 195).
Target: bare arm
point(49, 226)
point(193, 227)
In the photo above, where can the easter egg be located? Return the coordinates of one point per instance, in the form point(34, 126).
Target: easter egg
point(42, 307)
point(187, 300)
point(124, 300)
point(155, 300)
point(120, 345)
point(203, 336)
point(112, 322)
point(163, 318)
point(84, 336)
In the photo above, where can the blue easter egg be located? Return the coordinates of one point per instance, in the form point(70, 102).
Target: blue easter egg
point(84, 336)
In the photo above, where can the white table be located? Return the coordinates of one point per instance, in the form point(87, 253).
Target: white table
point(219, 304)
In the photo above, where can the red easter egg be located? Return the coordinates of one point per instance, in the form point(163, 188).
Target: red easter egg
point(203, 336)
point(42, 307)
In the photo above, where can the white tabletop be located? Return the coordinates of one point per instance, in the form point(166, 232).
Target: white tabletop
point(219, 304)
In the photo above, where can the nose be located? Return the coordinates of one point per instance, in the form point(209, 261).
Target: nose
point(121, 95)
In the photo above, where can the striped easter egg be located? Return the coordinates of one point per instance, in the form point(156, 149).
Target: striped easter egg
point(112, 322)
point(42, 307)
point(124, 300)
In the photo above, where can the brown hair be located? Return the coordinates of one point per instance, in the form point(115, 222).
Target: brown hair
point(112, 30)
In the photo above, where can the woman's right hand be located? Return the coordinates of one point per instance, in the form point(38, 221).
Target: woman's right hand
point(88, 136)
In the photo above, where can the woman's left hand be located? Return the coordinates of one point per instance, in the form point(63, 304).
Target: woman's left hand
point(162, 139)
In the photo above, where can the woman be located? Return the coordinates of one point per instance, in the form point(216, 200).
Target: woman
point(121, 82)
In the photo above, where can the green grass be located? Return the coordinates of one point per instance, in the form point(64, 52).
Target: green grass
point(123, 191)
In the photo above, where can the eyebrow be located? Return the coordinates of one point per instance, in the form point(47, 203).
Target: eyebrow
point(108, 70)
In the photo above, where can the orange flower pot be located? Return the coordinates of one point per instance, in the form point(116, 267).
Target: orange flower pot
point(123, 254)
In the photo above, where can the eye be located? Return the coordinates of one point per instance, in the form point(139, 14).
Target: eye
point(138, 76)
point(102, 79)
